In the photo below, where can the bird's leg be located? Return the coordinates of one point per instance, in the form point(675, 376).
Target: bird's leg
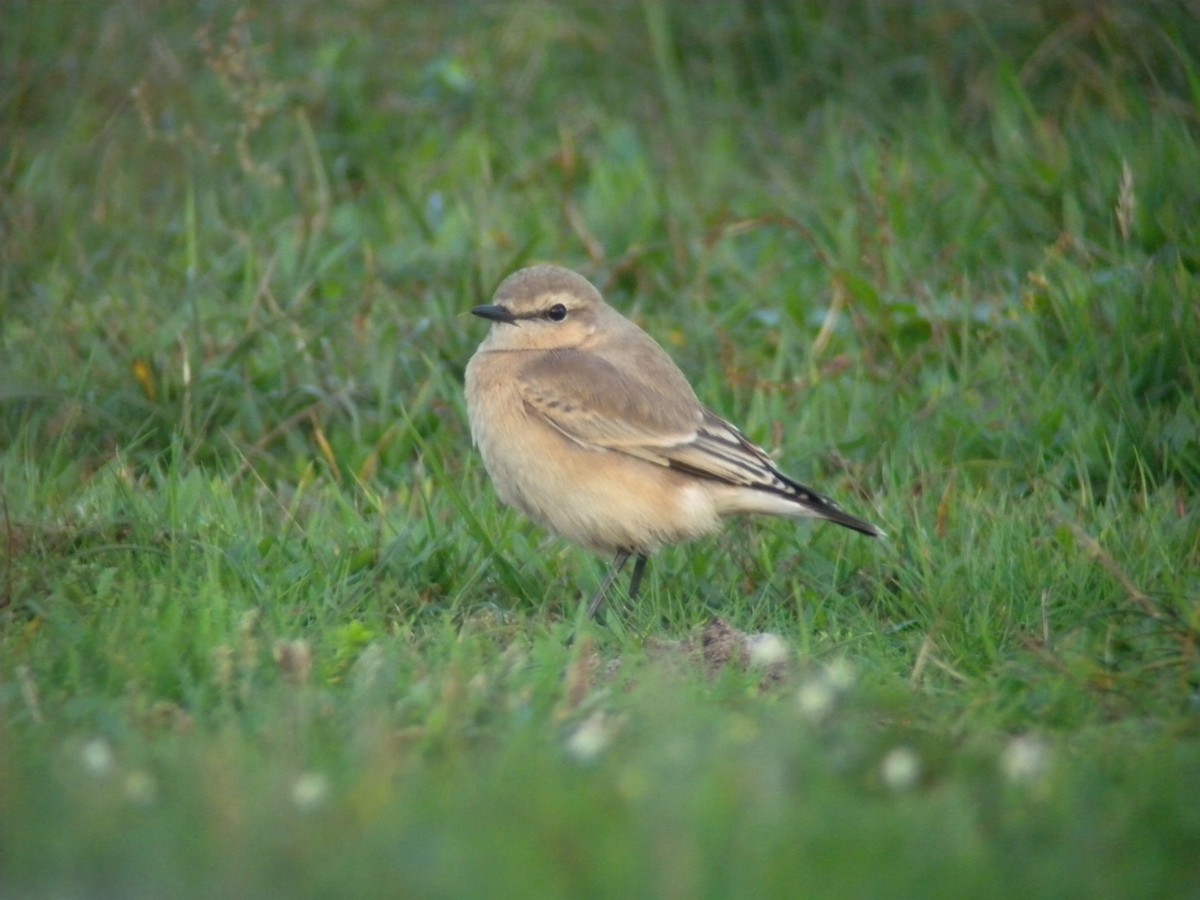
point(619, 561)
point(635, 580)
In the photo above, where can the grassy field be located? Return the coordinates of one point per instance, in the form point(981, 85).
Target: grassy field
point(265, 630)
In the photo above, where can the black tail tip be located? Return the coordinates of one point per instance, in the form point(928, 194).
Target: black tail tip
point(854, 523)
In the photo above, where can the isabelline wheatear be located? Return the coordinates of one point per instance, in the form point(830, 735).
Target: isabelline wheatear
point(587, 426)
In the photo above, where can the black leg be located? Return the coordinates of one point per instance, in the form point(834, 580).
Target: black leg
point(635, 580)
point(619, 561)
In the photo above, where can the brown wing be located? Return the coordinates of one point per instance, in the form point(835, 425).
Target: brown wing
point(654, 415)
point(594, 402)
point(719, 451)
point(649, 412)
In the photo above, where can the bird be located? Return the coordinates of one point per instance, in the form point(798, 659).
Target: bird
point(588, 427)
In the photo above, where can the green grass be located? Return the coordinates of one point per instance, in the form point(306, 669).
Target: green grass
point(265, 629)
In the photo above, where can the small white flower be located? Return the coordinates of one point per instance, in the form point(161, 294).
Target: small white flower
point(839, 673)
point(591, 738)
point(310, 790)
point(766, 650)
point(97, 757)
point(1025, 759)
point(901, 768)
point(815, 699)
point(820, 693)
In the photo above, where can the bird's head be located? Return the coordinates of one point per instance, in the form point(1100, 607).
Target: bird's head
point(542, 308)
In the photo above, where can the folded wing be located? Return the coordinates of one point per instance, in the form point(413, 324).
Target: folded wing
point(654, 415)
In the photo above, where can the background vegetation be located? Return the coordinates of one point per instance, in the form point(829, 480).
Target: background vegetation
point(264, 628)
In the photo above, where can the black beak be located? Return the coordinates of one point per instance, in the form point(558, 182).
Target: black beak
point(495, 313)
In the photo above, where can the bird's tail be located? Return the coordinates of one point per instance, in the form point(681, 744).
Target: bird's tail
point(821, 507)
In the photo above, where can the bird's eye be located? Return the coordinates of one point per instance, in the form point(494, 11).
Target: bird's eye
point(556, 313)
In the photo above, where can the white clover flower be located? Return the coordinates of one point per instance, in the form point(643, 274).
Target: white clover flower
point(97, 757)
point(901, 768)
point(815, 699)
point(839, 673)
point(310, 790)
point(766, 650)
point(1025, 759)
point(591, 738)
point(820, 693)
